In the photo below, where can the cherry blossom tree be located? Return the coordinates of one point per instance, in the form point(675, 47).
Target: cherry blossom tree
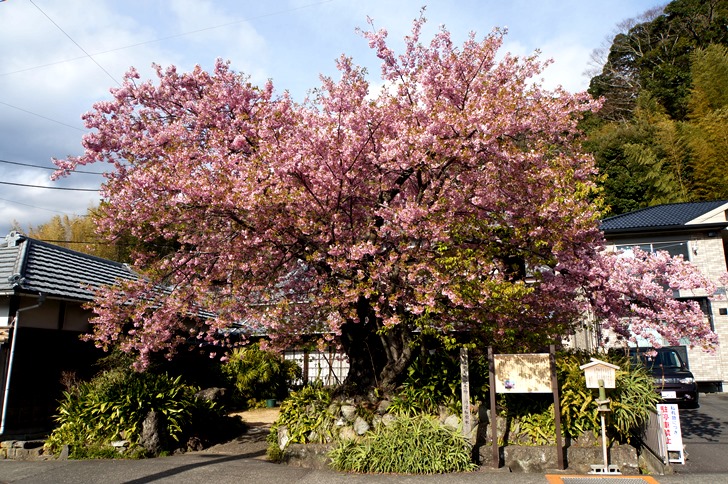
point(634, 296)
point(359, 215)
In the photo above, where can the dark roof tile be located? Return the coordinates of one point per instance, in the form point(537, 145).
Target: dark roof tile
point(30, 265)
point(660, 216)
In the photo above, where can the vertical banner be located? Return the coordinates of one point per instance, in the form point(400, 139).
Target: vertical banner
point(493, 415)
point(670, 425)
point(465, 391)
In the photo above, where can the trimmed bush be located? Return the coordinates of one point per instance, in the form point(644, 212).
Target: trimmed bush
point(410, 445)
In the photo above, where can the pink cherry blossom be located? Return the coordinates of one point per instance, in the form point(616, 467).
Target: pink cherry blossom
point(362, 214)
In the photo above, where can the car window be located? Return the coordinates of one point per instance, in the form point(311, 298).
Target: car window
point(665, 359)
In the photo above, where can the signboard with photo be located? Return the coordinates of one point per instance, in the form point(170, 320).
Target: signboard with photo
point(523, 373)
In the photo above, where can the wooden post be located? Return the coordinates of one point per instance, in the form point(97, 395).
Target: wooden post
point(493, 429)
point(557, 408)
point(465, 392)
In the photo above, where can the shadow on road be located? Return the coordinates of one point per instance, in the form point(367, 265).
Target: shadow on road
point(214, 459)
point(698, 425)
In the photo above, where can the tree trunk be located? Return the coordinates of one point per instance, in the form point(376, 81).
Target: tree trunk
point(378, 357)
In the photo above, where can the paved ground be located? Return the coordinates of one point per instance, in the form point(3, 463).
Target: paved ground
point(242, 461)
point(705, 436)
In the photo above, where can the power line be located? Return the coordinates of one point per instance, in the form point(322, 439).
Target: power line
point(51, 188)
point(47, 167)
point(77, 44)
point(41, 116)
point(33, 206)
point(161, 39)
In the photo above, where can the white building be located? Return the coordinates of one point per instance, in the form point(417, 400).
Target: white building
point(699, 232)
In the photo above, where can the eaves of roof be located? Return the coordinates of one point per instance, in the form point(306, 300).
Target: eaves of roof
point(666, 228)
point(669, 217)
point(31, 266)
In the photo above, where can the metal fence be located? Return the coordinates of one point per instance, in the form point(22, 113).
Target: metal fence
point(653, 438)
point(662, 435)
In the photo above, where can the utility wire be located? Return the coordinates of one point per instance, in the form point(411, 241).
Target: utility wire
point(33, 206)
point(51, 188)
point(161, 39)
point(77, 44)
point(41, 116)
point(48, 167)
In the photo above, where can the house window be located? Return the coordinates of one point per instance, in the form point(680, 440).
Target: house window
point(673, 248)
point(704, 304)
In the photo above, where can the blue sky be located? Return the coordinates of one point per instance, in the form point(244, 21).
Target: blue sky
point(58, 58)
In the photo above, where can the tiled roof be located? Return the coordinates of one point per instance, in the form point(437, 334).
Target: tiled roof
point(30, 265)
point(660, 216)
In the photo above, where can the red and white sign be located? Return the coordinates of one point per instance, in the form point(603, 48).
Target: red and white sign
point(670, 424)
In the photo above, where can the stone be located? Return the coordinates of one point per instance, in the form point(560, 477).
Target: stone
point(194, 444)
point(310, 456)
point(153, 437)
point(388, 419)
point(383, 407)
point(348, 412)
point(376, 421)
point(347, 433)
point(214, 394)
point(543, 459)
point(283, 437)
point(361, 426)
point(120, 445)
point(452, 421)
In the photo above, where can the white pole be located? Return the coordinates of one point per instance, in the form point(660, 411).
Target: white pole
point(16, 324)
point(604, 444)
point(465, 391)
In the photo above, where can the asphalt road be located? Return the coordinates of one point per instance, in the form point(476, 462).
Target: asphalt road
point(705, 436)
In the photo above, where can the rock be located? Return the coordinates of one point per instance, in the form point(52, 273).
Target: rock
point(452, 421)
point(153, 437)
point(383, 407)
point(120, 445)
point(361, 426)
point(348, 412)
point(310, 456)
point(214, 394)
point(194, 444)
point(347, 433)
point(388, 419)
point(376, 421)
point(283, 437)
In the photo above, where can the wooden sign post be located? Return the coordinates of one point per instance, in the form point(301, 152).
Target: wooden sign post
point(465, 392)
point(524, 373)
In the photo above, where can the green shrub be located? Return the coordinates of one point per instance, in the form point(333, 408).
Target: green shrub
point(410, 445)
point(113, 406)
point(258, 375)
point(307, 418)
point(531, 419)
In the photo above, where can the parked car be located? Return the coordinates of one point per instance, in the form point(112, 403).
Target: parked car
point(673, 380)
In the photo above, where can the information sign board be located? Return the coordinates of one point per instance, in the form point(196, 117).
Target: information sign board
point(523, 373)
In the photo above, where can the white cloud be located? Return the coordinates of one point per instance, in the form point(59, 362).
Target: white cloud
point(50, 82)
